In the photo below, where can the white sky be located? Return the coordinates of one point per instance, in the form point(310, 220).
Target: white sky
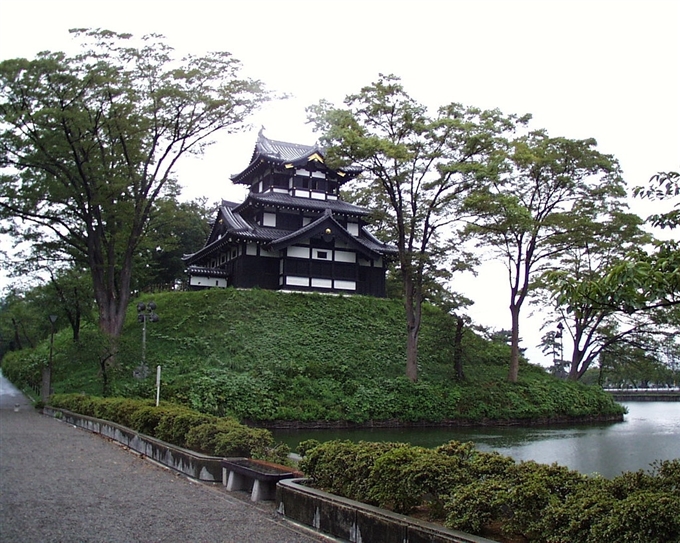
point(598, 68)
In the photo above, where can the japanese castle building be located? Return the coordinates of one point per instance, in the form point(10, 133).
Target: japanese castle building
point(292, 232)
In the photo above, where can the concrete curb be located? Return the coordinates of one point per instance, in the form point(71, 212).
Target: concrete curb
point(357, 522)
point(192, 464)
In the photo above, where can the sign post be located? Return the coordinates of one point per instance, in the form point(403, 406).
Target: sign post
point(158, 384)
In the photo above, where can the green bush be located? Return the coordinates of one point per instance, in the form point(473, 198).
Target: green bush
point(244, 441)
point(533, 488)
point(202, 438)
point(472, 507)
point(344, 468)
point(391, 482)
point(486, 493)
point(174, 425)
point(178, 425)
point(78, 403)
point(24, 368)
point(572, 521)
point(642, 517)
point(120, 410)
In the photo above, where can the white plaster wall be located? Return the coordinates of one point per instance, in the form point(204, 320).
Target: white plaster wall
point(298, 252)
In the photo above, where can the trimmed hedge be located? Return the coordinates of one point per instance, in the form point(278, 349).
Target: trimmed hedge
point(178, 425)
point(479, 492)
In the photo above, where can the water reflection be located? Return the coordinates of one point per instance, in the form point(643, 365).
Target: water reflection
point(650, 431)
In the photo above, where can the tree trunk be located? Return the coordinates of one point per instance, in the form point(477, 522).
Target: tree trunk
point(458, 349)
point(17, 337)
point(413, 307)
point(112, 304)
point(513, 372)
point(46, 384)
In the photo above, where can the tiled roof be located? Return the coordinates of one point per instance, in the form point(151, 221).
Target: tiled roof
point(200, 270)
point(296, 202)
point(281, 152)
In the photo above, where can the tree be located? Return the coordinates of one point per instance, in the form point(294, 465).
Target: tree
point(89, 143)
point(646, 280)
point(593, 244)
point(522, 212)
point(633, 364)
point(175, 229)
point(663, 186)
point(21, 324)
point(72, 288)
point(413, 174)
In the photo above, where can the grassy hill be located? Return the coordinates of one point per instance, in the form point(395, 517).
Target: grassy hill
point(266, 356)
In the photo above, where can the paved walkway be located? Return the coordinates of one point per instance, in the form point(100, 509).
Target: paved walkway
point(63, 484)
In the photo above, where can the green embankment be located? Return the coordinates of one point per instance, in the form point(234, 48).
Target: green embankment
point(265, 356)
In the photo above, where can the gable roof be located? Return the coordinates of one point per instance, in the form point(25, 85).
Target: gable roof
point(326, 225)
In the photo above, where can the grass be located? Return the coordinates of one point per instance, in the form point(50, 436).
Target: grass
point(264, 356)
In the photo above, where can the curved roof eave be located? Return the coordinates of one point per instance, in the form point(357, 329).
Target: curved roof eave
point(297, 202)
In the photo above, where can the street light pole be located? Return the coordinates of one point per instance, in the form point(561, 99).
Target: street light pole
point(145, 312)
point(560, 329)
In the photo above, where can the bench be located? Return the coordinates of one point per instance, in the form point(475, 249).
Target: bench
point(257, 476)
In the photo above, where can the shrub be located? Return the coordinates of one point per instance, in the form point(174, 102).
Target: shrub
point(78, 403)
point(174, 425)
point(120, 410)
point(306, 445)
point(473, 507)
point(391, 485)
point(533, 488)
point(146, 418)
point(572, 521)
point(343, 467)
point(642, 517)
point(480, 492)
point(178, 425)
point(243, 441)
point(202, 437)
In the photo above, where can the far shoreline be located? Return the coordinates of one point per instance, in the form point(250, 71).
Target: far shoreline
point(450, 423)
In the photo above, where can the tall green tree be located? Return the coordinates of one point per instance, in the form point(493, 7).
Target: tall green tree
point(593, 244)
point(522, 212)
point(414, 165)
point(647, 277)
point(89, 142)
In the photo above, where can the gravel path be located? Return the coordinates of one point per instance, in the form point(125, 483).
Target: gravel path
point(63, 484)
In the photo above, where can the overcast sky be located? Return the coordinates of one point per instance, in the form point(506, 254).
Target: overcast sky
point(603, 69)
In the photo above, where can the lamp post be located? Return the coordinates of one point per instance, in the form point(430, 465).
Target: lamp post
point(47, 371)
point(145, 312)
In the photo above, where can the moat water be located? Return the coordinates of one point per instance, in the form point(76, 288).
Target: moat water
point(650, 432)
